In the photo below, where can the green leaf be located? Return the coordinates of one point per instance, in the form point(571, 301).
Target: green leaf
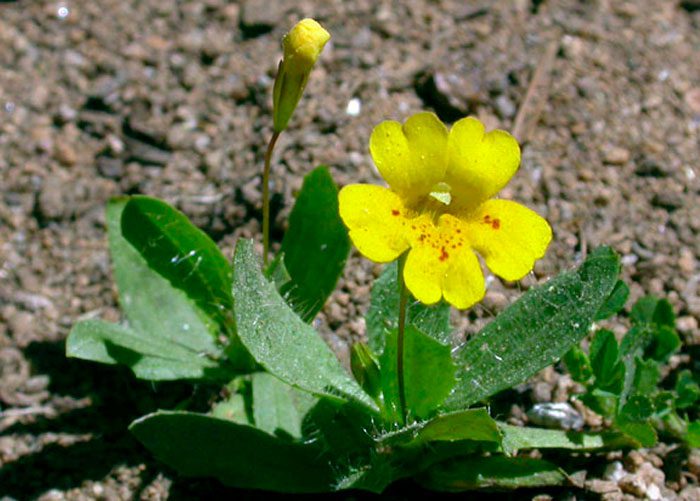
point(642, 432)
point(237, 455)
point(693, 435)
point(180, 252)
point(152, 358)
point(535, 331)
point(609, 372)
point(343, 429)
point(282, 342)
point(601, 402)
point(278, 408)
point(470, 424)
point(154, 308)
point(493, 472)
point(383, 314)
point(517, 437)
point(632, 347)
point(615, 302)
point(633, 420)
point(646, 377)
point(665, 342)
point(428, 375)
point(664, 403)
point(233, 409)
point(277, 273)
point(578, 365)
point(687, 389)
point(637, 408)
point(315, 246)
point(652, 310)
point(365, 369)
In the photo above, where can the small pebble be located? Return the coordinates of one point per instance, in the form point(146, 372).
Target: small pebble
point(616, 155)
point(556, 415)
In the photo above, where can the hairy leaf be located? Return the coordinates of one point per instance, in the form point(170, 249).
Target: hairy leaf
point(495, 472)
point(535, 331)
point(237, 455)
point(180, 252)
point(280, 341)
point(149, 357)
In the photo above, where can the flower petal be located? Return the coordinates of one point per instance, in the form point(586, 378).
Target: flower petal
point(509, 236)
point(463, 285)
point(412, 158)
point(479, 164)
point(376, 219)
point(441, 264)
point(423, 274)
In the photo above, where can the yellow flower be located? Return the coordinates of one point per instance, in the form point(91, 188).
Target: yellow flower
point(302, 46)
point(440, 205)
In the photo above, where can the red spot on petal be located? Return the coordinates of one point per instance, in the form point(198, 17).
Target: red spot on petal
point(443, 254)
point(394, 212)
point(458, 230)
point(496, 224)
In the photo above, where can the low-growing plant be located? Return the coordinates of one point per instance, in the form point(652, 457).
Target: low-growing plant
point(290, 418)
point(622, 380)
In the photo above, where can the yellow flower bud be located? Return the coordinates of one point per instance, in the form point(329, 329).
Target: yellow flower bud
point(302, 46)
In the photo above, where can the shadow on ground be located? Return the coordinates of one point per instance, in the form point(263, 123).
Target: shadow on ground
point(117, 399)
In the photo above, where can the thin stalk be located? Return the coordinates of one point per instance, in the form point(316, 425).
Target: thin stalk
point(266, 196)
point(403, 298)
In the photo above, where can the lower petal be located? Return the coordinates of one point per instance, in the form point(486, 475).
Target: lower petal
point(509, 236)
point(463, 285)
point(441, 264)
point(376, 219)
point(423, 274)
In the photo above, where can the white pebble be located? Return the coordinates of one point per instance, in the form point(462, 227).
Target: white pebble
point(354, 106)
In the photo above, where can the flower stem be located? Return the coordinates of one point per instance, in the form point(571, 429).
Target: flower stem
point(403, 297)
point(266, 196)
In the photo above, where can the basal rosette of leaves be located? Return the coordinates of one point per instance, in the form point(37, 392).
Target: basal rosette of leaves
point(291, 418)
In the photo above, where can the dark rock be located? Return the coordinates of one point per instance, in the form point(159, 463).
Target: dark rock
point(690, 5)
point(451, 95)
point(668, 201)
point(260, 16)
point(648, 167)
point(111, 168)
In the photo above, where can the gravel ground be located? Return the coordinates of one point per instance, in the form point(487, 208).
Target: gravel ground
point(172, 99)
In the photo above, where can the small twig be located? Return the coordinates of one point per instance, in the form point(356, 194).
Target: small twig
point(536, 95)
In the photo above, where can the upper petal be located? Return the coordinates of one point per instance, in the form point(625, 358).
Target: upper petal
point(376, 218)
point(479, 164)
point(509, 236)
point(412, 158)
